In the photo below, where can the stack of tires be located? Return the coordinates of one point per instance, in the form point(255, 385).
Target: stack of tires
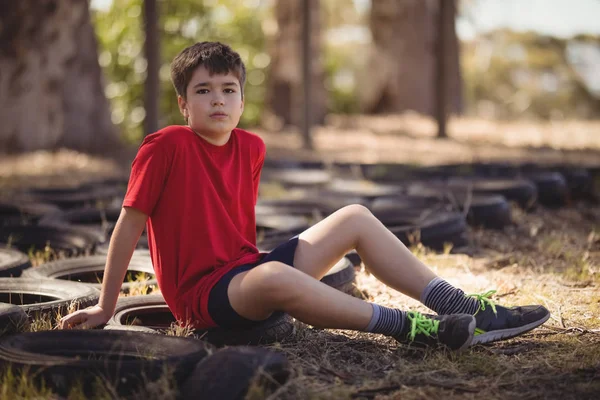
point(67, 230)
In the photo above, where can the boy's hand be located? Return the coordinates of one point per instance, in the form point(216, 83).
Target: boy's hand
point(87, 318)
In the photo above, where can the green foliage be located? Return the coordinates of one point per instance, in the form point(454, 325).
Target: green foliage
point(526, 75)
point(182, 23)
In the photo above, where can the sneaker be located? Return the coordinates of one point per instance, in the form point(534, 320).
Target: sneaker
point(495, 322)
point(453, 331)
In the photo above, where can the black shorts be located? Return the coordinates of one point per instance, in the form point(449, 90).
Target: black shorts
point(219, 307)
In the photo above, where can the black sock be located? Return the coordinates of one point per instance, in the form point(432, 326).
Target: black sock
point(387, 321)
point(443, 298)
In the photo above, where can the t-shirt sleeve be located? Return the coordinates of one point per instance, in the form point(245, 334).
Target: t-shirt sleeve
point(149, 171)
point(260, 161)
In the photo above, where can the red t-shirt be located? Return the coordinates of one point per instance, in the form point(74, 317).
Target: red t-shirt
point(200, 201)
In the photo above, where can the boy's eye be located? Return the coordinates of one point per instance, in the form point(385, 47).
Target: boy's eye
point(202, 91)
point(229, 91)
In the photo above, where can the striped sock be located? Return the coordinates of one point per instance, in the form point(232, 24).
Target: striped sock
point(387, 321)
point(443, 298)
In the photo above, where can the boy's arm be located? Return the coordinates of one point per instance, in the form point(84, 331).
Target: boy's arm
point(127, 232)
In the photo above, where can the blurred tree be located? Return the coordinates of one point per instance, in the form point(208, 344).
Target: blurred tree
point(284, 91)
point(51, 92)
point(152, 55)
point(181, 24)
point(401, 72)
point(527, 75)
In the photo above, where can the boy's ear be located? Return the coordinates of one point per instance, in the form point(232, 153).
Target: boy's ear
point(182, 106)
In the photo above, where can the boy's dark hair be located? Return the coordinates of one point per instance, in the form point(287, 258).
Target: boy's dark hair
point(217, 58)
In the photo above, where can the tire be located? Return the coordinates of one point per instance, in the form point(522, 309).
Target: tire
point(12, 262)
point(521, 191)
point(552, 187)
point(12, 319)
point(141, 247)
point(124, 360)
point(69, 197)
point(488, 211)
point(229, 373)
point(311, 209)
point(90, 271)
point(276, 328)
point(152, 312)
point(94, 220)
point(342, 276)
point(24, 213)
point(272, 230)
point(364, 191)
point(46, 296)
point(435, 229)
point(149, 312)
point(65, 241)
point(492, 212)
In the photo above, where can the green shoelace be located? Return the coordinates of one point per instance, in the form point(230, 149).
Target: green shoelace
point(421, 324)
point(484, 300)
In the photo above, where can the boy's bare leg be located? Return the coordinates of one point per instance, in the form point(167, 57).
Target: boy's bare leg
point(272, 286)
point(354, 227)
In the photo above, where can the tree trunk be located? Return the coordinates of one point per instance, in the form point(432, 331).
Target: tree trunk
point(284, 90)
point(51, 91)
point(402, 70)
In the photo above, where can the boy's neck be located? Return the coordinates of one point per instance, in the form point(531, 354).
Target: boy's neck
point(216, 141)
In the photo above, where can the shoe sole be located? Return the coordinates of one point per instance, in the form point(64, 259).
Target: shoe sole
point(508, 333)
point(469, 341)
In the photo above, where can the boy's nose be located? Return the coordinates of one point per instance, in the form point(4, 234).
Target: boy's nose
point(218, 101)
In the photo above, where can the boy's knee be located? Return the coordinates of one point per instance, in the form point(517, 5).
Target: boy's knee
point(357, 211)
point(274, 276)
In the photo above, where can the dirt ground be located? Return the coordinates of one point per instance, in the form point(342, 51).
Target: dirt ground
point(549, 257)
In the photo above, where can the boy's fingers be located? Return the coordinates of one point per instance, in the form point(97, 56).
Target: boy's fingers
point(71, 321)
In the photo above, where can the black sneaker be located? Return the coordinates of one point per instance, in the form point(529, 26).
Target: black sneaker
point(495, 322)
point(454, 331)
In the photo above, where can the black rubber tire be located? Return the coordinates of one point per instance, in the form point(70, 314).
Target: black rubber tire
point(489, 211)
point(552, 187)
point(361, 190)
point(228, 374)
point(12, 319)
point(152, 312)
point(436, 229)
point(66, 240)
point(141, 246)
point(12, 262)
point(521, 191)
point(276, 328)
point(272, 230)
point(72, 269)
point(341, 276)
point(492, 212)
point(94, 220)
point(149, 312)
point(127, 360)
point(46, 296)
point(389, 173)
point(24, 213)
point(311, 209)
point(89, 195)
point(354, 258)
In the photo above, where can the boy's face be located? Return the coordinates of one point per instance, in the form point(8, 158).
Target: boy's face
point(214, 103)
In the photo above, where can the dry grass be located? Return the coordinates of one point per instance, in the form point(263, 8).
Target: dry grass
point(559, 360)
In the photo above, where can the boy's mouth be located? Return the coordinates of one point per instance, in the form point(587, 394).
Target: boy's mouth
point(218, 114)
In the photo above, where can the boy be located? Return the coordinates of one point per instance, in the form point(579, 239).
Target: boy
point(196, 186)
